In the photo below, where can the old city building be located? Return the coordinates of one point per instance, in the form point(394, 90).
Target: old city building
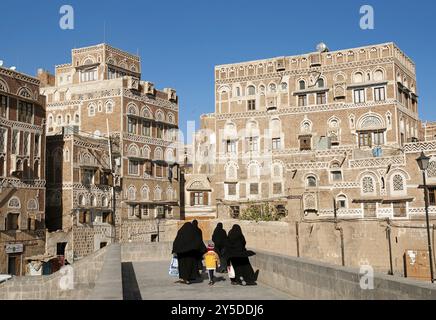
point(22, 176)
point(112, 143)
point(315, 135)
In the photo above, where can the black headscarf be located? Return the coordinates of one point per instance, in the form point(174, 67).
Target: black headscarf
point(236, 244)
point(219, 236)
point(187, 239)
point(199, 233)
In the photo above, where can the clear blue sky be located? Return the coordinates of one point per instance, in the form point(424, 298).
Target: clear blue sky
point(180, 41)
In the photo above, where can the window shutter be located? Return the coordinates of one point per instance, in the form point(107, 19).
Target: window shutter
point(192, 198)
point(205, 198)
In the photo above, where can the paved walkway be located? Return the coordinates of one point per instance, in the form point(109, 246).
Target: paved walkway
point(150, 281)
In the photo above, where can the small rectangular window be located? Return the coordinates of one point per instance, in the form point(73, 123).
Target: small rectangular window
point(336, 175)
point(254, 188)
point(277, 188)
point(379, 94)
point(3, 106)
point(276, 144)
point(359, 96)
point(133, 167)
point(302, 100)
point(231, 189)
point(321, 98)
point(131, 127)
point(251, 105)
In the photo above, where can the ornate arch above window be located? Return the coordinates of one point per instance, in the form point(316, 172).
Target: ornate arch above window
point(133, 150)
point(160, 115)
point(32, 205)
point(132, 109)
point(157, 193)
point(131, 193)
point(371, 122)
point(4, 86)
point(25, 93)
point(145, 193)
point(146, 112)
point(158, 153)
point(14, 203)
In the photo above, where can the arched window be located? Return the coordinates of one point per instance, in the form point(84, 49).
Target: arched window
point(132, 109)
point(145, 193)
point(302, 85)
point(157, 193)
point(32, 205)
point(109, 107)
point(358, 77)
point(368, 185)
point(91, 110)
point(76, 118)
point(398, 183)
point(146, 152)
point(82, 200)
point(67, 119)
point(320, 83)
point(14, 203)
point(93, 201)
point(253, 170)
point(277, 171)
point(88, 61)
point(170, 194)
point(158, 154)
point(59, 120)
point(133, 150)
point(284, 86)
point(50, 121)
point(378, 75)
point(311, 181)
point(251, 90)
point(131, 193)
point(341, 202)
point(231, 172)
point(104, 202)
point(272, 87)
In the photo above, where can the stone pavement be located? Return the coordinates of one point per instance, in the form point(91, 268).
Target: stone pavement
point(149, 280)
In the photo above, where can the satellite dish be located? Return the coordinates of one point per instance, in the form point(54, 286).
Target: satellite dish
point(13, 68)
point(322, 47)
point(1, 63)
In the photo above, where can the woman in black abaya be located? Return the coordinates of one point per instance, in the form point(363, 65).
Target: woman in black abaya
point(187, 247)
point(237, 255)
point(203, 248)
point(219, 238)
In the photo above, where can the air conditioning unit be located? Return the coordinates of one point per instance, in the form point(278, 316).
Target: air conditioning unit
point(280, 64)
point(133, 83)
point(149, 88)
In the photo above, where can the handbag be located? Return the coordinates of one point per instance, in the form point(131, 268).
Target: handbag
point(231, 271)
point(174, 267)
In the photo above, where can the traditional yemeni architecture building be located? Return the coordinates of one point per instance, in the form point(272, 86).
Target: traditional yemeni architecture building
point(112, 143)
point(318, 135)
point(22, 176)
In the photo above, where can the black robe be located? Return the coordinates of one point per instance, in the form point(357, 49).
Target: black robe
point(237, 255)
point(187, 247)
point(203, 248)
point(219, 238)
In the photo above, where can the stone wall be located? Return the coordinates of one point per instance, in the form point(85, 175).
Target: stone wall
point(85, 274)
point(307, 279)
point(365, 242)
